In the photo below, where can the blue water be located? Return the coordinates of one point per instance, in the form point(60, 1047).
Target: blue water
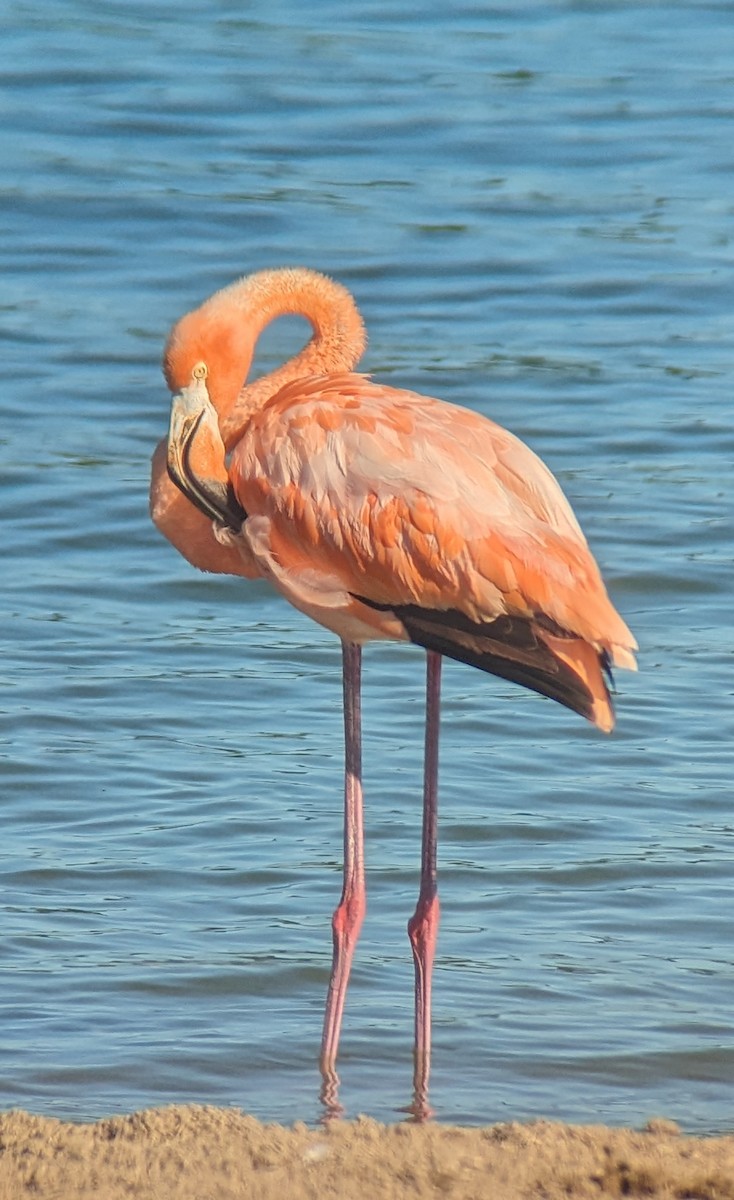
point(534, 205)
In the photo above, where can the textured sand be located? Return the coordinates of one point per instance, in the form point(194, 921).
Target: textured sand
point(190, 1153)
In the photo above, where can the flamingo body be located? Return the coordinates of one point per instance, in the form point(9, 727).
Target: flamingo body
point(380, 513)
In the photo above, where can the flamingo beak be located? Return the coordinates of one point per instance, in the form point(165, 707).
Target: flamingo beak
point(191, 412)
point(187, 409)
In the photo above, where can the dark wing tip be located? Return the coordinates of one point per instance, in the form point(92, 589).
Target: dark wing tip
point(512, 648)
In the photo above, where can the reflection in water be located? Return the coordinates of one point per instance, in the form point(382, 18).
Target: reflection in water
point(329, 1095)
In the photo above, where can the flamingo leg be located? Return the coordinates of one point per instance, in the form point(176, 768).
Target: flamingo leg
point(423, 926)
point(349, 914)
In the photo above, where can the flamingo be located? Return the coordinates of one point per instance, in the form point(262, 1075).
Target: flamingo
point(380, 513)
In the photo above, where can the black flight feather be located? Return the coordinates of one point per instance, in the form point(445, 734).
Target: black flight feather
point(510, 647)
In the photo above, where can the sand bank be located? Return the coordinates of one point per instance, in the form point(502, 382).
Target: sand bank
point(193, 1153)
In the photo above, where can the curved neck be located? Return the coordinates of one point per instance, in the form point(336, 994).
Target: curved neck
point(338, 342)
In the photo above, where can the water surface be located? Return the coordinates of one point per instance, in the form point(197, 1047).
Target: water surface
point(533, 206)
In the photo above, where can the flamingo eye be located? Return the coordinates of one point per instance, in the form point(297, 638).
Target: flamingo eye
point(200, 371)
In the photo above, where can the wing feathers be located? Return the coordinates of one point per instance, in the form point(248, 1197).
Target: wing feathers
point(446, 520)
point(531, 652)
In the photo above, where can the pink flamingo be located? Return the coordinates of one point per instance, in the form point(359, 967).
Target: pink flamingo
point(379, 513)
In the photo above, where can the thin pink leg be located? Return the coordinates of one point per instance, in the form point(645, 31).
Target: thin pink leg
point(349, 914)
point(423, 926)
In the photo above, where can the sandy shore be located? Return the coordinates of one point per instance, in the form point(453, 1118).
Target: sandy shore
point(190, 1153)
